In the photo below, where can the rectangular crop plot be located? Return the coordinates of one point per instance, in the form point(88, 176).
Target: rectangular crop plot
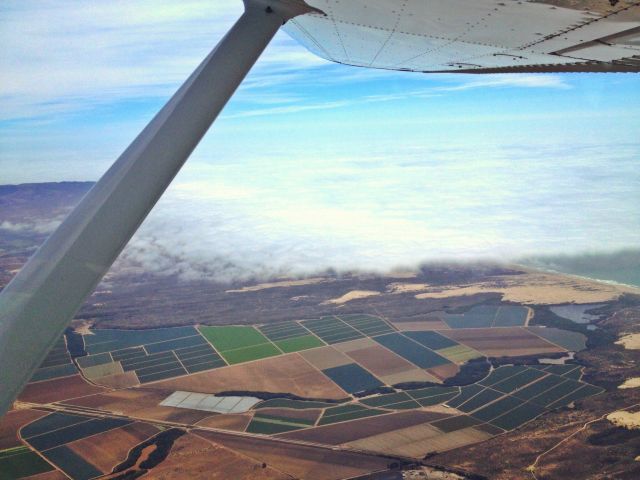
point(175, 344)
point(458, 422)
point(53, 421)
point(410, 350)
point(332, 330)
point(511, 384)
point(71, 463)
point(56, 371)
point(71, 433)
point(518, 416)
point(21, 462)
point(430, 339)
point(466, 393)
point(480, 316)
point(283, 330)
point(267, 427)
point(297, 344)
point(352, 378)
point(480, 400)
point(388, 401)
point(556, 393)
point(367, 324)
point(582, 392)
point(497, 408)
point(572, 341)
point(94, 360)
point(459, 353)
point(501, 373)
point(233, 337)
point(109, 340)
point(295, 404)
point(539, 387)
point(248, 354)
point(346, 413)
point(510, 316)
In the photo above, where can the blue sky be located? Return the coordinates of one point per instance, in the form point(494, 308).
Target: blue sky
point(313, 164)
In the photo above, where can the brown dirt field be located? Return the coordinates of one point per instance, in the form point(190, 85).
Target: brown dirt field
point(287, 373)
point(195, 458)
point(325, 357)
point(235, 423)
point(58, 389)
point(366, 427)
point(419, 440)
point(292, 413)
point(108, 449)
point(444, 371)
point(421, 325)
point(301, 461)
point(415, 375)
point(358, 344)
point(119, 380)
point(11, 422)
point(381, 361)
point(502, 342)
point(141, 403)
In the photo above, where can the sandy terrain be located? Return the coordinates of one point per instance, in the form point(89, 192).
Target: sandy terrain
point(625, 419)
point(108, 449)
point(236, 422)
point(352, 295)
point(196, 458)
point(58, 389)
point(284, 283)
point(287, 373)
point(300, 461)
point(507, 342)
point(630, 383)
point(630, 341)
point(407, 287)
point(11, 422)
point(535, 288)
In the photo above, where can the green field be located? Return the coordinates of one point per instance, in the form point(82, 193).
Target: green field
point(297, 344)
point(239, 344)
point(248, 354)
point(233, 337)
point(21, 462)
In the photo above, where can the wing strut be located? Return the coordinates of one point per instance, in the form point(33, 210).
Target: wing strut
point(39, 303)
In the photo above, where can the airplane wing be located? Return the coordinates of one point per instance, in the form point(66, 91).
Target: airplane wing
point(475, 36)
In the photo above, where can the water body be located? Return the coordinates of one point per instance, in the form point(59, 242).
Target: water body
point(578, 313)
point(622, 266)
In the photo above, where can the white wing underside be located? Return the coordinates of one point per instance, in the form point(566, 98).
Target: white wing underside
point(474, 35)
